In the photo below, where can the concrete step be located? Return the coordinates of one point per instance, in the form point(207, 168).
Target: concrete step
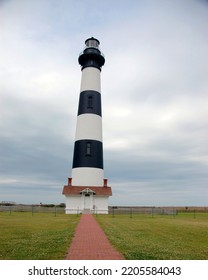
point(86, 211)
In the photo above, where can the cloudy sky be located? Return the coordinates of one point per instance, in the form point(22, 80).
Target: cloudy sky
point(154, 97)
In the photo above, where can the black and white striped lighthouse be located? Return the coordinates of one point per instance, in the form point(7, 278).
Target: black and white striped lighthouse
point(87, 168)
point(87, 190)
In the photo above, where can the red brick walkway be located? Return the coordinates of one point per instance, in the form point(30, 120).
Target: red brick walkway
point(91, 243)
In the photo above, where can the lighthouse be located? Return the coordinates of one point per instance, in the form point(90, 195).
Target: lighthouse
point(87, 191)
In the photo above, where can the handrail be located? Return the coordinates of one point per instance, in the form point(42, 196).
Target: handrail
point(102, 54)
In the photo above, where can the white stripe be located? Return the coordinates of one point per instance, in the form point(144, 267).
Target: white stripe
point(89, 126)
point(85, 176)
point(90, 79)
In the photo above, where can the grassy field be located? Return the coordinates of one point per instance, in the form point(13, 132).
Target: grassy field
point(44, 236)
point(142, 237)
point(38, 237)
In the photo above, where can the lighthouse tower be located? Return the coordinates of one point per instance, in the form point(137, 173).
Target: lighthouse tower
point(87, 190)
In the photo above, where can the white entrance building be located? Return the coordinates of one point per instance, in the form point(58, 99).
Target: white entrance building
point(86, 199)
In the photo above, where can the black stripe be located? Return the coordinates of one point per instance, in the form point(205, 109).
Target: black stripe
point(88, 153)
point(90, 102)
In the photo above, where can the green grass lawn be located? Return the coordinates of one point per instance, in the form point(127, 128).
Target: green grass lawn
point(44, 236)
point(161, 237)
point(39, 237)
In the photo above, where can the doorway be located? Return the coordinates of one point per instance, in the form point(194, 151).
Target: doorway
point(87, 201)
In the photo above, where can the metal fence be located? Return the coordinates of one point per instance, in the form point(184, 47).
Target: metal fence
point(117, 210)
point(31, 208)
point(112, 210)
point(142, 210)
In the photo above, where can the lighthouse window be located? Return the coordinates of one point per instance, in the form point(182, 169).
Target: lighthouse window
point(92, 43)
point(88, 149)
point(90, 102)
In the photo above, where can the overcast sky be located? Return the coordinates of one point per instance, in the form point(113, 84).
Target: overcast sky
point(154, 98)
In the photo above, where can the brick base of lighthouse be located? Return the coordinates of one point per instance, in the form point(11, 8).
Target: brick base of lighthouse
point(86, 199)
